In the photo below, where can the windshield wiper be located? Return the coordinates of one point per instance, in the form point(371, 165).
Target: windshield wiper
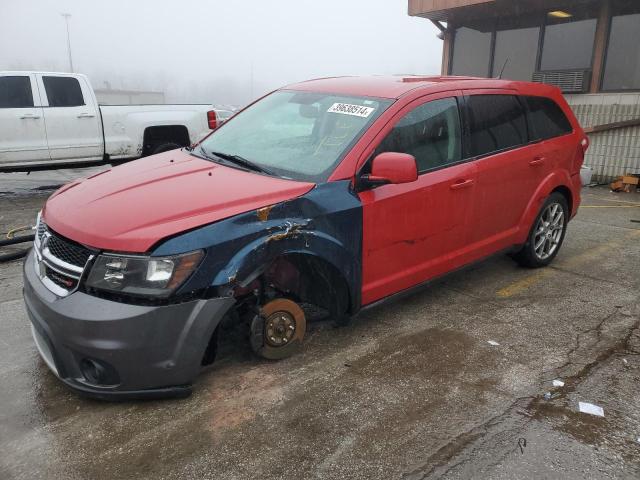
point(243, 162)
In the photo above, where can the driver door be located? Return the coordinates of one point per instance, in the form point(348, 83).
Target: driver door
point(416, 231)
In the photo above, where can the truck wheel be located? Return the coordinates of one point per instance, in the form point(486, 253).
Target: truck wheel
point(278, 329)
point(165, 147)
point(547, 233)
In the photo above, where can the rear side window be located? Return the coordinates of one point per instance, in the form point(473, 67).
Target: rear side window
point(546, 119)
point(430, 132)
point(496, 122)
point(63, 91)
point(15, 92)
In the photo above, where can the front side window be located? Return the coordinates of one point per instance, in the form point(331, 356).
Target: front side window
point(496, 123)
point(298, 135)
point(15, 92)
point(430, 132)
point(568, 45)
point(471, 52)
point(622, 69)
point(546, 119)
point(63, 91)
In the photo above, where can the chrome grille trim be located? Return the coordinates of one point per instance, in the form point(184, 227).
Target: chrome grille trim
point(45, 259)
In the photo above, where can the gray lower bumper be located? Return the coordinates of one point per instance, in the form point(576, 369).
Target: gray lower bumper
point(151, 351)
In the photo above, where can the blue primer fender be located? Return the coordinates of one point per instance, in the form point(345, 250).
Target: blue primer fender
point(325, 223)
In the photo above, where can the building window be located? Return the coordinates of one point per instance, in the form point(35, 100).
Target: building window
point(622, 67)
point(568, 45)
point(471, 52)
point(516, 51)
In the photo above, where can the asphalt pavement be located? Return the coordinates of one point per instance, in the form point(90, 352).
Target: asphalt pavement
point(454, 381)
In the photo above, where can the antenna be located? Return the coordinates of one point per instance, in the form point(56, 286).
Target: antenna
point(503, 67)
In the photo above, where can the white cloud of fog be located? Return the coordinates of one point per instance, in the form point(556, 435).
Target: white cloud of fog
point(216, 51)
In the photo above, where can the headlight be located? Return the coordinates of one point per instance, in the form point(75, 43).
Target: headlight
point(142, 276)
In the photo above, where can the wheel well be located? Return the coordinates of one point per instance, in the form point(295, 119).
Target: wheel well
point(156, 136)
point(567, 195)
point(304, 278)
point(309, 279)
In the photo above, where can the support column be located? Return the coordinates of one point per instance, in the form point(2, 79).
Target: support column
point(446, 50)
point(600, 48)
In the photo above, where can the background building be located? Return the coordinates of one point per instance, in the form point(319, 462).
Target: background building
point(108, 96)
point(588, 48)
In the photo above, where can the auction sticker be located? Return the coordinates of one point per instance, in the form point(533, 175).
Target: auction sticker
point(348, 109)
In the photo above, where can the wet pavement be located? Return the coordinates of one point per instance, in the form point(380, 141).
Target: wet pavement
point(411, 389)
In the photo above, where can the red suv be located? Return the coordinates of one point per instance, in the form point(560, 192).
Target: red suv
point(335, 193)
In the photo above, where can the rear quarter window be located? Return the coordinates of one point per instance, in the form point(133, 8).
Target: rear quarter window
point(15, 92)
point(495, 123)
point(63, 91)
point(546, 119)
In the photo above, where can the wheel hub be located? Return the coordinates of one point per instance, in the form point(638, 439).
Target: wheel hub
point(549, 231)
point(280, 328)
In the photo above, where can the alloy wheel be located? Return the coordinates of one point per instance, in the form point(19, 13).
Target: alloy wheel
point(549, 230)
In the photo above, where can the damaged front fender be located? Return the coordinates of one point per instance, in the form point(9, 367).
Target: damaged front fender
point(325, 224)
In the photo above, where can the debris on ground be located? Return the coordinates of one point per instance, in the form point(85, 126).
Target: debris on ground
point(590, 409)
point(558, 383)
point(625, 183)
point(493, 343)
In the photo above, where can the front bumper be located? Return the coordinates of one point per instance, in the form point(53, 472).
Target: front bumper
point(143, 351)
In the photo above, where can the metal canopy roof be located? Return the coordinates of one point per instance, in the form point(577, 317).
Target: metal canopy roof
point(460, 10)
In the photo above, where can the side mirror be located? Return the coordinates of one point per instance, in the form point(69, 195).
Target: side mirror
point(391, 167)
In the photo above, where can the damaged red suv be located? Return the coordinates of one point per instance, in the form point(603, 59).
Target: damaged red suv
point(335, 193)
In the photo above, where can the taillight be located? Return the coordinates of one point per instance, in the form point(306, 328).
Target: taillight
point(585, 144)
point(212, 119)
point(579, 158)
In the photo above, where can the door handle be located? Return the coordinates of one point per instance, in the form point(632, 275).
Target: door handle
point(462, 184)
point(86, 115)
point(29, 115)
point(537, 161)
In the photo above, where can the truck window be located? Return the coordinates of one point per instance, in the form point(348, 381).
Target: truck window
point(15, 92)
point(546, 119)
point(496, 123)
point(63, 91)
point(430, 132)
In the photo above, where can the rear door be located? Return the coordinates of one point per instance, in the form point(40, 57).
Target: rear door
point(22, 130)
point(72, 118)
point(415, 231)
point(508, 167)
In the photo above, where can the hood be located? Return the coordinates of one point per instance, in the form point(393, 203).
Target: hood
point(131, 207)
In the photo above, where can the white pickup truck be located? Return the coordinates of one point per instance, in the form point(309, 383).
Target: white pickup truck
point(51, 120)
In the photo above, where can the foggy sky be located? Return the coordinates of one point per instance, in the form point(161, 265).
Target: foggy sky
point(216, 51)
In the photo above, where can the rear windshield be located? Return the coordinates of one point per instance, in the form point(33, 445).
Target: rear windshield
point(297, 135)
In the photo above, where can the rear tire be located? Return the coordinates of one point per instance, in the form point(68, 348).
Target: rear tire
point(546, 234)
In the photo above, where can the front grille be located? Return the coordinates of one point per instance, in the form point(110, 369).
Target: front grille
point(68, 252)
point(63, 281)
point(42, 229)
point(60, 262)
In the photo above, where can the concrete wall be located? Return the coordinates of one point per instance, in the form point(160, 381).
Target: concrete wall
point(614, 152)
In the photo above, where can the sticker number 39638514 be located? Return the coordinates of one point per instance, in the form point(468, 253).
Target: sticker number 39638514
point(348, 109)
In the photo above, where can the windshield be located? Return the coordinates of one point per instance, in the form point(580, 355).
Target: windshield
point(298, 135)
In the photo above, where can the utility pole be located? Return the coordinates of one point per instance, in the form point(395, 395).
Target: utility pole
point(66, 19)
